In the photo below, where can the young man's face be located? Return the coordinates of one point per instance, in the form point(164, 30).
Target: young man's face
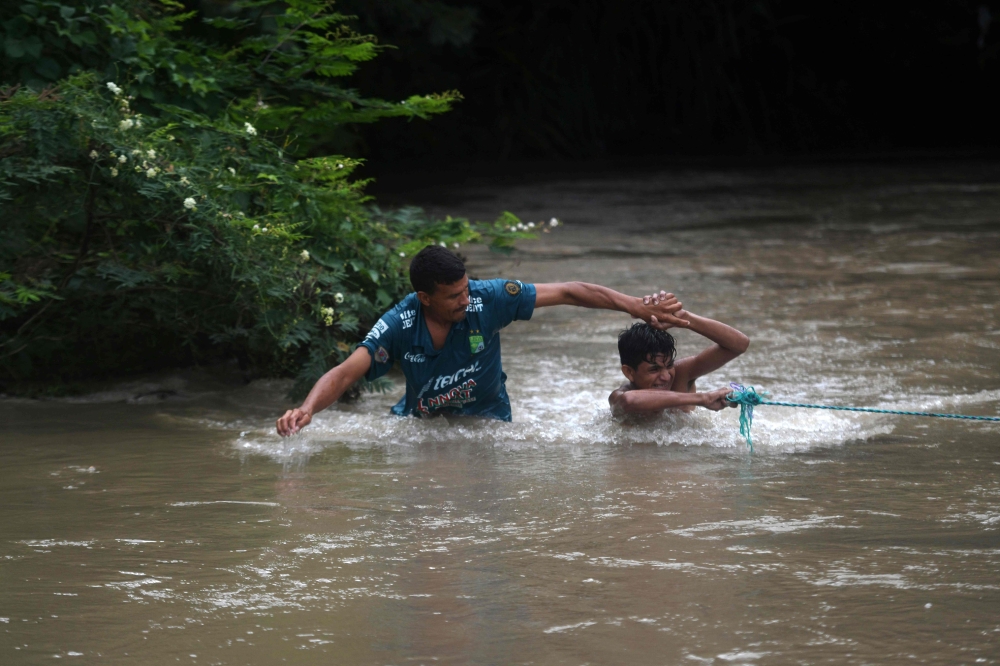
point(655, 373)
point(449, 301)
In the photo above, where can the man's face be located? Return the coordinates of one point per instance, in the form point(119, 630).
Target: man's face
point(449, 301)
point(655, 373)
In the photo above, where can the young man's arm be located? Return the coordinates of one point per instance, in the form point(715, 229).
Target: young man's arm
point(659, 312)
point(729, 343)
point(327, 391)
point(653, 401)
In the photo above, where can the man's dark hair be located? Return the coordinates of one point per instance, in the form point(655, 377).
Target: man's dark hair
point(641, 342)
point(435, 265)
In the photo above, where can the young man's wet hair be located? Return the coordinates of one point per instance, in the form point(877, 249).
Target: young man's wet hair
point(435, 265)
point(641, 342)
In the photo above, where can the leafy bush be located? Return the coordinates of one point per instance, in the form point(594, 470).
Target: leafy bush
point(173, 214)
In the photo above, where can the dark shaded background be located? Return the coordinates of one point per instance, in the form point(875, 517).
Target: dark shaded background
point(599, 79)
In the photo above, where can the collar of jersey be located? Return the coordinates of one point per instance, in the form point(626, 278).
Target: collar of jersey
point(423, 335)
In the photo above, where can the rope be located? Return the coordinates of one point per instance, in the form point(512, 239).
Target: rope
point(748, 398)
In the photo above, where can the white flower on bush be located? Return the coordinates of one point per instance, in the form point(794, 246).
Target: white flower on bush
point(114, 172)
point(338, 298)
point(402, 254)
point(327, 315)
point(256, 227)
point(114, 88)
point(136, 152)
point(442, 244)
point(250, 129)
point(190, 203)
point(455, 245)
point(126, 124)
point(531, 225)
point(151, 154)
point(150, 173)
point(94, 155)
point(232, 171)
point(122, 159)
point(553, 222)
point(185, 181)
point(304, 255)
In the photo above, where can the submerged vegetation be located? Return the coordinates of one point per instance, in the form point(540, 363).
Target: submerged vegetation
point(168, 195)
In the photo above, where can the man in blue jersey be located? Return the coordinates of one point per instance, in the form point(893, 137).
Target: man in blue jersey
point(445, 336)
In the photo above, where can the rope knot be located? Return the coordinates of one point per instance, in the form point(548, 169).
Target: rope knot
point(747, 398)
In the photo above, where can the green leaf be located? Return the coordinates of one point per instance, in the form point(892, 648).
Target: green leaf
point(48, 68)
point(14, 48)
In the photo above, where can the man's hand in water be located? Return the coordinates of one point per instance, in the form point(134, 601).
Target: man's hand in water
point(293, 421)
point(716, 400)
point(665, 311)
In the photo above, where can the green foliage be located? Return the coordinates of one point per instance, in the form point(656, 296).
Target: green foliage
point(279, 63)
point(171, 215)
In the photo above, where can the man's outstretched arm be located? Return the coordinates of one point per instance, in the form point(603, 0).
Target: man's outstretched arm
point(327, 391)
point(585, 295)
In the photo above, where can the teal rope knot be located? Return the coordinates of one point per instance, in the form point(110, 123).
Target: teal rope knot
point(747, 399)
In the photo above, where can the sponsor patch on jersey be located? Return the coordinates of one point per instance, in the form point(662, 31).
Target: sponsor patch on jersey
point(476, 344)
point(513, 288)
point(378, 329)
point(381, 355)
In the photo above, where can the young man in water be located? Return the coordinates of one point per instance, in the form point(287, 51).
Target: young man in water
point(445, 336)
point(656, 381)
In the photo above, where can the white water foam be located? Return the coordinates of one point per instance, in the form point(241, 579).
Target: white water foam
point(560, 400)
point(569, 416)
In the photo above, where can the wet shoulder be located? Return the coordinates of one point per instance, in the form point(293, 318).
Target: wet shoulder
point(499, 290)
point(614, 398)
point(405, 310)
point(392, 325)
point(482, 295)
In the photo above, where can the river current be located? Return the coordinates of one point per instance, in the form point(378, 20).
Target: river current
point(162, 520)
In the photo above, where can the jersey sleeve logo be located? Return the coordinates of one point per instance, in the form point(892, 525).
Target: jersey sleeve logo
point(381, 355)
point(512, 287)
point(377, 330)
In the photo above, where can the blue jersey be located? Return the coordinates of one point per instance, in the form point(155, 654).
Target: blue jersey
point(465, 376)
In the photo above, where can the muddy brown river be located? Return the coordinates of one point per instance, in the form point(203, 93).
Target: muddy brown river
point(162, 521)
